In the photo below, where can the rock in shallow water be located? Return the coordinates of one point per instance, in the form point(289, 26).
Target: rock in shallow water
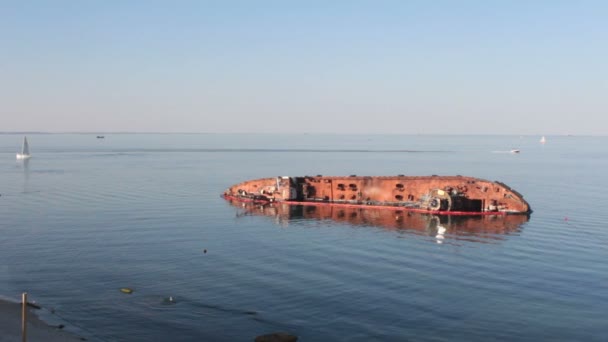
point(276, 337)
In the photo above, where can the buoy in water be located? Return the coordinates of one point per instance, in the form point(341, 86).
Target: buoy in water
point(169, 300)
point(126, 290)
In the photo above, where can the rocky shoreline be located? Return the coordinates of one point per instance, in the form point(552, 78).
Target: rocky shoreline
point(37, 330)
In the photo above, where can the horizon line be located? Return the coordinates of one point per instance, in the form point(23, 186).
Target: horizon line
point(299, 133)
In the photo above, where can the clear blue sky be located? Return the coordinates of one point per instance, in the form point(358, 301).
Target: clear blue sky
point(461, 67)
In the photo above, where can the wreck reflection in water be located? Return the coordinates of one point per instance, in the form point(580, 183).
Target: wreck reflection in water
point(478, 228)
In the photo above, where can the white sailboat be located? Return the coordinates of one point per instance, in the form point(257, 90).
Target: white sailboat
point(25, 150)
point(543, 140)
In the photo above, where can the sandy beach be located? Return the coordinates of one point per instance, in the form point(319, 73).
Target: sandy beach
point(37, 330)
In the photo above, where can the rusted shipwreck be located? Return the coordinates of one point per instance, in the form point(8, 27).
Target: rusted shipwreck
point(450, 195)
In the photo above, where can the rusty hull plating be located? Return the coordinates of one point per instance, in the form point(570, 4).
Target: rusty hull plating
point(450, 195)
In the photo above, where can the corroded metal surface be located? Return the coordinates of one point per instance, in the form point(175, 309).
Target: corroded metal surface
point(437, 194)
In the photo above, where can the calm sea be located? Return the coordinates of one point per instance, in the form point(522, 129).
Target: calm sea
point(85, 217)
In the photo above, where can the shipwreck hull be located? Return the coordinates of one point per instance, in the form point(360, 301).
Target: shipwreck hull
point(449, 195)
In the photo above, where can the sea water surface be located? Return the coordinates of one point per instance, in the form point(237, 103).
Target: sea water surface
point(85, 217)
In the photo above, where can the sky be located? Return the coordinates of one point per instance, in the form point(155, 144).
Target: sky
point(347, 67)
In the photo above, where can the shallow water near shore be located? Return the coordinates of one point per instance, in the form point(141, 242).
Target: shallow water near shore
point(86, 217)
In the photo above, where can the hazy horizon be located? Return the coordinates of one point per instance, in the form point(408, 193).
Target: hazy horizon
point(386, 67)
point(299, 133)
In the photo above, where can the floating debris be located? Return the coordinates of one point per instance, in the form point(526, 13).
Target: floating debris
point(169, 300)
point(126, 290)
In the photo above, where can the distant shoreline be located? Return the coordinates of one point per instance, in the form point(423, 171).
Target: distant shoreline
point(312, 134)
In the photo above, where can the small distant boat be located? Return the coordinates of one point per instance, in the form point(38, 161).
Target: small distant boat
point(25, 150)
point(543, 140)
point(100, 137)
point(515, 151)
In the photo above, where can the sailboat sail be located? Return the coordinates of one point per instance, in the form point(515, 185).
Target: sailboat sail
point(26, 147)
point(25, 150)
